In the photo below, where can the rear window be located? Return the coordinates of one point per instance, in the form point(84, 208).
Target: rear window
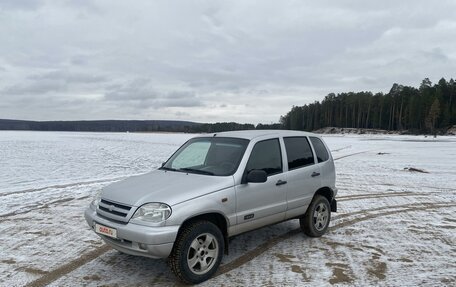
point(320, 149)
point(299, 153)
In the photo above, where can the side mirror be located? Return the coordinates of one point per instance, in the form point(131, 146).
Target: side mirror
point(257, 176)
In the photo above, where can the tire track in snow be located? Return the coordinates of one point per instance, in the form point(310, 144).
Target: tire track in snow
point(380, 195)
point(339, 149)
point(67, 268)
point(366, 195)
point(352, 154)
point(60, 186)
point(260, 249)
point(402, 206)
point(254, 253)
point(34, 207)
point(409, 208)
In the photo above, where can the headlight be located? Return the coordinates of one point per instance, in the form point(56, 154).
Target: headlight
point(96, 200)
point(153, 212)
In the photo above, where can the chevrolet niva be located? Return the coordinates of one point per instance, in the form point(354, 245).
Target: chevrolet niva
point(212, 188)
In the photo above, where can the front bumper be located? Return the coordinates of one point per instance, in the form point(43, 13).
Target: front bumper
point(134, 239)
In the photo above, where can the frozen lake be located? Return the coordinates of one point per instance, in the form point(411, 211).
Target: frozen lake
point(32, 160)
point(393, 227)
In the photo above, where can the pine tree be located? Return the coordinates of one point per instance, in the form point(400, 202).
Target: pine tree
point(434, 113)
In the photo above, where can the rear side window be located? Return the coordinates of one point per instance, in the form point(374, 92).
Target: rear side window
point(299, 153)
point(266, 155)
point(320, 149)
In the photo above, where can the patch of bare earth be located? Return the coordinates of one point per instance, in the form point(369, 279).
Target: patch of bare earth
point(341, 273)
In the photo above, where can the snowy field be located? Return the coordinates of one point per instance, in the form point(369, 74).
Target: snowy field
point(394, 226)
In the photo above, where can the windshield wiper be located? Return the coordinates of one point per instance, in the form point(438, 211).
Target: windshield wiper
point(168, 168)
point(187, 169)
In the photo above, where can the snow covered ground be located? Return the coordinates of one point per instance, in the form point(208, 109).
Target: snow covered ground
point(394, 226)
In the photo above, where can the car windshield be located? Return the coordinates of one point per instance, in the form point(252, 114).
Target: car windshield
point(208, 156)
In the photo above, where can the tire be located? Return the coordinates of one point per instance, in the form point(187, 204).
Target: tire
point(316, 220)
point(197, 252)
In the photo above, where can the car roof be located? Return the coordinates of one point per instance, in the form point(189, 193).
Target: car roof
point(251, 134)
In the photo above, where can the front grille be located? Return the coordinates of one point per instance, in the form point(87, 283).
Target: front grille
point(123, 214)
point(113, 210)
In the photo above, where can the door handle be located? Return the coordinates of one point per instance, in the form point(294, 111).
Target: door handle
point(314, 174)
point(281, 182)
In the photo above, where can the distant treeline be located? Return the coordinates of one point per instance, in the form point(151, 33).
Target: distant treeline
point(426, 109)
point(232, 126)
point(99, 126)
point(128, 126)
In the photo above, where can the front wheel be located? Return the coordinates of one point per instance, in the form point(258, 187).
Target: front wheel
point(197, 252)
point(316, 220)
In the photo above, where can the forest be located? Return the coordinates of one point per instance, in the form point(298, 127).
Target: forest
point(429, 108)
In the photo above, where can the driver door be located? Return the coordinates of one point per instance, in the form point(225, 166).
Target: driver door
point(259, 204)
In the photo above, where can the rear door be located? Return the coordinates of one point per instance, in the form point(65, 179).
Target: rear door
point(303, 175)
point(259, 204)
point(324, 161)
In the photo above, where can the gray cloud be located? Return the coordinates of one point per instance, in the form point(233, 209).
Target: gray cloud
point(20, 5)
point(140, 93)
point(68, 77)
point(53, 82)
point(34, 88)
point(244, 61)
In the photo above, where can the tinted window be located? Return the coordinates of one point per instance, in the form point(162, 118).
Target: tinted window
point(266, 155)
point(299, 152)
point(320, 149)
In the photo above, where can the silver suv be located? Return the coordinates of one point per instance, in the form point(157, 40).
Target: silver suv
point(214, 187)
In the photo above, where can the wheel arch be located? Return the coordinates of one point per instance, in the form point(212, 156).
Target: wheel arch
point(326, 192)
point(329, 194)
point(216, 218)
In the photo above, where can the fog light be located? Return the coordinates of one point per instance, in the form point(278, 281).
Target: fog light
point(142, 246)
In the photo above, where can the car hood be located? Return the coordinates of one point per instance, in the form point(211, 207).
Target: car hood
point(168, 187)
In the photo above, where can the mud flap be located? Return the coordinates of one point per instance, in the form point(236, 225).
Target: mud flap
point(334, 205)
point(227, 241)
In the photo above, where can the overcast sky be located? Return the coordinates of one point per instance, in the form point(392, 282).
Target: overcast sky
point(244, 61)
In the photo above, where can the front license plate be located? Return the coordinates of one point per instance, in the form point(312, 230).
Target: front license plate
point(108, 231)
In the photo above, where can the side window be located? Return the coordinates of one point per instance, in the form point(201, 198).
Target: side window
point(320, 149)
point(299, 153)
point(266, 155)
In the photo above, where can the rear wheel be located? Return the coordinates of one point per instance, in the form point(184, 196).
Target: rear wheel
point(316, 220)
point(197, 252)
